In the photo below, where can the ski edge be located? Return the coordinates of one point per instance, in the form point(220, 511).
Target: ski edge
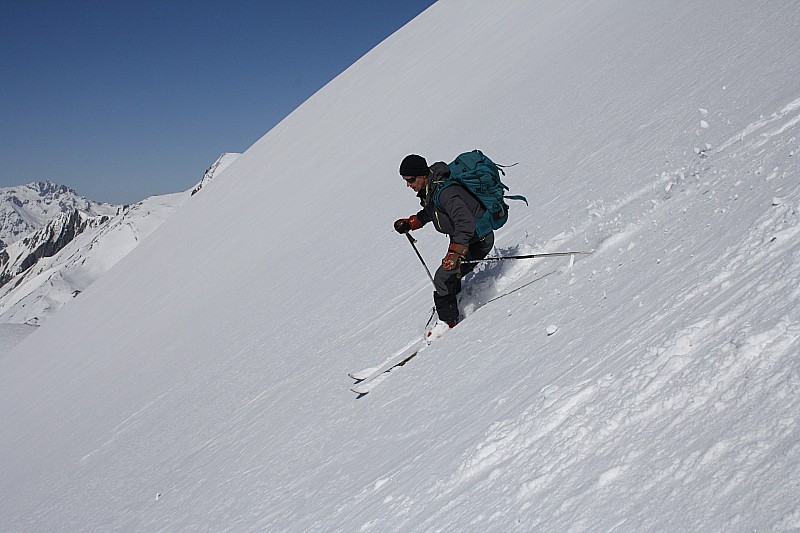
point(365, 385)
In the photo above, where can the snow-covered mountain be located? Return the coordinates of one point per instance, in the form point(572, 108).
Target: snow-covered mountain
point(24, 253)
point(27, 208)
point(42, 272)
point(201, 383)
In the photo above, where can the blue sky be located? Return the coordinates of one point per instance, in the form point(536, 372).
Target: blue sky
point(125, 99)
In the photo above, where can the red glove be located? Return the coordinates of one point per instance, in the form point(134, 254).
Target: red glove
point(404, 225)
point(455, 253)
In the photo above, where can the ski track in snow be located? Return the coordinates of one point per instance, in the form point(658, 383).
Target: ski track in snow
point(715, 364)
point(737, 348)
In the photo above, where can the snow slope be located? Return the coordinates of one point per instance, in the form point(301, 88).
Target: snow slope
point(188, 390)
point(38, 291)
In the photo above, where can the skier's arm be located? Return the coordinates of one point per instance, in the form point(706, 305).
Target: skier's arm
point(423, 216)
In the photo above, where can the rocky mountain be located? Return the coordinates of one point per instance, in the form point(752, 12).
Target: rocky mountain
point(27, 208)
point(42, 271)
point(21, 255)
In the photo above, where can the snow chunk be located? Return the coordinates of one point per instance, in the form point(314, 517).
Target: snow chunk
point(551, 329)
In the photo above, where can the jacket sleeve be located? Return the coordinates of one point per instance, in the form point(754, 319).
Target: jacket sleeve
point(463, 220)
point(423, 216)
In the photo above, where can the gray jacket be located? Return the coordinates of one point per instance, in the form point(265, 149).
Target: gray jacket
point(459, 207)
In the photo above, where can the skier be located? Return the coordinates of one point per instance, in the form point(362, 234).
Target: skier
point(455, 218)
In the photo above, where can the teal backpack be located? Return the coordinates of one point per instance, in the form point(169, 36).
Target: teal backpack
point(481, 177)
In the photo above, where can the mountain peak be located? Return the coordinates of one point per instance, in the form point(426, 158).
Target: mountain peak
point(49, 188)
point(27, 208)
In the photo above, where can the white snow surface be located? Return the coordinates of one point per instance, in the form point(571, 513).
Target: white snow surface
point(190, 390)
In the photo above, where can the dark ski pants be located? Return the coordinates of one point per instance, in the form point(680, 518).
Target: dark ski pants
point(448, 282)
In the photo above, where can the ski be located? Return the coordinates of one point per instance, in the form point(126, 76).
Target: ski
point(361, 375)
point(366, 373)
point(368, 384)
point(368, 377)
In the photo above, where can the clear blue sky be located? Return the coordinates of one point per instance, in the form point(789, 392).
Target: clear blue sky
point(123, 99)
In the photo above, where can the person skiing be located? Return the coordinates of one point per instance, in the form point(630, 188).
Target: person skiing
point(454, 216)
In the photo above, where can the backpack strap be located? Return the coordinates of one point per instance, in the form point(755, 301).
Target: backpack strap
point(440, 186)
point(517, 197)
point(503, 172)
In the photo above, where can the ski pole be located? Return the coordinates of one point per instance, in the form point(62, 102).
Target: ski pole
point(529, 256)
point(413, 241)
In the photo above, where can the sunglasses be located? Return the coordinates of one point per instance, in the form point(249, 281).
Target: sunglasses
point(410, 180)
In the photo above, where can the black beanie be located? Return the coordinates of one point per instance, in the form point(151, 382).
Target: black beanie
point(414, 165)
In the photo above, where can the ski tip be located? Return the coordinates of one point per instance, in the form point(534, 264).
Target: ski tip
point(361, 375)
